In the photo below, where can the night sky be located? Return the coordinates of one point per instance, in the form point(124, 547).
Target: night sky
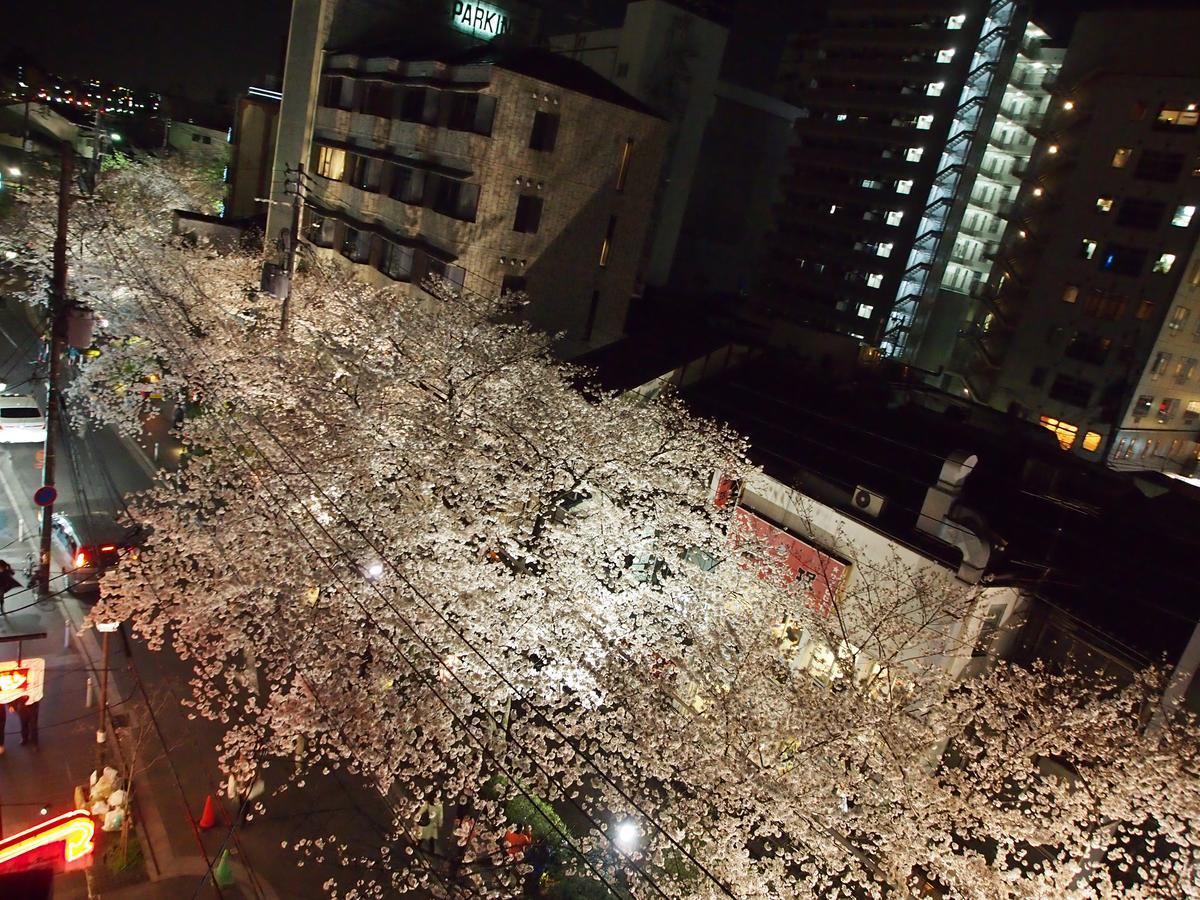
point(198, 49)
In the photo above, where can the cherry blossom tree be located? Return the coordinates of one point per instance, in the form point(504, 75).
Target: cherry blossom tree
point(467, 575)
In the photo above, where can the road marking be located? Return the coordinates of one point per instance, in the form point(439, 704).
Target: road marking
point(12, 498)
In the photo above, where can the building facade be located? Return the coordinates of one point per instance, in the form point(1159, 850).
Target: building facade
point(469, 155)
point(726, 146)
point(255, 124)
point(1087, 323)
point(899, 104)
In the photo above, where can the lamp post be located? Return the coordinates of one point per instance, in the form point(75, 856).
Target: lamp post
point(105, 628)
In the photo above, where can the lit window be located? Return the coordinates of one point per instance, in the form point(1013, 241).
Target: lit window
point(954, 23)
point(1168, 408)
point(1070, 293)
point(623, 171)
point(606, 245)
point(913, 154)
point(924, 123)
point(1121, 158)
point(1163, 264)
point(874, 280)
point(893, 217)
point(832, 208)
point(884, 249)
point(1091, 441)
point(1183, 216)
point(1179, 317)
point(1104, 204)
point(945, 56)
point(865, 310)
point(904, 186)
point(935, 88)
point(841, 117)
point(331, 163)
point(871, 183)
point(1180, 118)
point(1088, 248)
point(1064, 431)
point(1191, 412)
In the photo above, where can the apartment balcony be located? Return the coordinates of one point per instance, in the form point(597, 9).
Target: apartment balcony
point(848, 100)
point(1017, 146)
point(901, 69)
point(859, 133)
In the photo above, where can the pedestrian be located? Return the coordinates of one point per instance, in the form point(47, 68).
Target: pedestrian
point(28, 714)
point(517, 840)
point(429, 824)
point(8, 581)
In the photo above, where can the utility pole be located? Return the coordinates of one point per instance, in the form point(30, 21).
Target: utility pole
point(293, 241)
point(58, 305)
point(106, 629)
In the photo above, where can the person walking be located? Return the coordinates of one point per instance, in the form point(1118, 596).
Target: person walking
point(429, 825)
point(28, 714)
point(8, 581)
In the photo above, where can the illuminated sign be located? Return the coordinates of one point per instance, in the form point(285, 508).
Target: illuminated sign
point(32, 847)
point(22, 680)
point(479, 19)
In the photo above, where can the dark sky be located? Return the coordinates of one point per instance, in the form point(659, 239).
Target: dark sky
point(173, 46)
point(197, 47)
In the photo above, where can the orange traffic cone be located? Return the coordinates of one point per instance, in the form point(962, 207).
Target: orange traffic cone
point(208, 818)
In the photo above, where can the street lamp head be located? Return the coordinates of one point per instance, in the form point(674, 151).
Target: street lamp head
point(626, 837)
point(116, 138)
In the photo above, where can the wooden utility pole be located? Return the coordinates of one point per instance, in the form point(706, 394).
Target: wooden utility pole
point(293, 241)
point(58, 305)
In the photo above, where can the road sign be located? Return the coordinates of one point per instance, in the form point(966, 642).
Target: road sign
point(45, 495)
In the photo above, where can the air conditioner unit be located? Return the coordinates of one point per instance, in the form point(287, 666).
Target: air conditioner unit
point(868, 502)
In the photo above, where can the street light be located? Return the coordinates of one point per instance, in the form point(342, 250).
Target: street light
point(14, 171)
point(627, 837)
point(116, 138)
point(105, 628)
point(375, 571)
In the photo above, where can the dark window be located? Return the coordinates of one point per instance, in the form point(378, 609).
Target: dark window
point(1158, 165)
point(1074, 391)
point(412, 105)
point(356, 245)
point(206, 139)
point(1136, 213)
point(320, 230)
point(469, 112)
point(545, 131)
point(406, 185)
point(590, 324)
point(1038, 376)
point(1123, 260)
point(364, 173)
point(378, 99)
point(337, 93)
point(529, 214)
point(1089, 348)
point(450, 197)
point(512, 284)
point(1142, 407)
point(398, 262)
point(195, 138)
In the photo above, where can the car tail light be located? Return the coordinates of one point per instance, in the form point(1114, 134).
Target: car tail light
point(81, 559)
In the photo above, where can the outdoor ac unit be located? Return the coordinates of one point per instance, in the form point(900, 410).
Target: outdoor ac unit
point(868, 502)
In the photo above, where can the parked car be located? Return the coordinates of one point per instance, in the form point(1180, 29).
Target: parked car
point(21, 420)
point(87, 544)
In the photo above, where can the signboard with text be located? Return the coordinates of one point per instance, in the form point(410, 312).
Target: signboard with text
point(481, 20)
point(23, 679)
point(61, 844)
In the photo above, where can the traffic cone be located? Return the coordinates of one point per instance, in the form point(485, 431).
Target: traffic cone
point(223, 871)
point(208, 818)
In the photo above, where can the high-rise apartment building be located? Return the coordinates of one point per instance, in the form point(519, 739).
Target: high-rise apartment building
point(1089, 323)
point(442, 144)
point(912, 118)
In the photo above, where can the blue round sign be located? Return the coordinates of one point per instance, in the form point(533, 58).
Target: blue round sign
point(45, 495)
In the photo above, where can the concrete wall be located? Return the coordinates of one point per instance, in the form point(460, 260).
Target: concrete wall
point(199, 142)
point(253, 153)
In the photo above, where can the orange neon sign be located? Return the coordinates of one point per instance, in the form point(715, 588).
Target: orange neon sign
point(74, 830)
point(14, 680)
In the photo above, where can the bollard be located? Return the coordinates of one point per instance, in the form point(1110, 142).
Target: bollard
point(156, 451)
point(90, 698)
point(66, 635)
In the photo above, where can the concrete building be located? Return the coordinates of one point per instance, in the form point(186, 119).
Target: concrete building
point(255, 125)
point(199, 141)
point(901, 110)
point(1089, 324)
point(727, 140)
point(457, 150)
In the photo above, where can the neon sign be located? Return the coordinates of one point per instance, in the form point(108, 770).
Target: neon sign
point(74, 830)
point(479, 19)
point(23, 679)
